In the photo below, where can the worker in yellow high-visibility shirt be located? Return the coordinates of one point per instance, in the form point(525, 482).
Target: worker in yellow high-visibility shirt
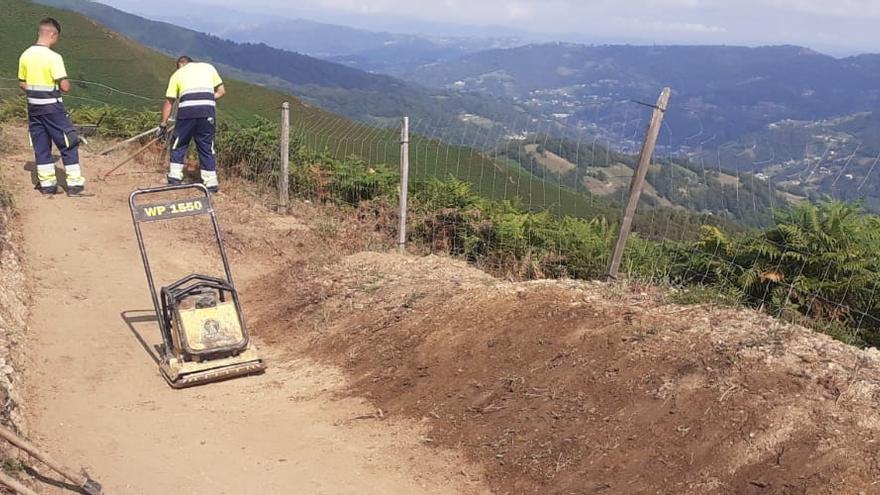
point(196, 87)
point(43, 78)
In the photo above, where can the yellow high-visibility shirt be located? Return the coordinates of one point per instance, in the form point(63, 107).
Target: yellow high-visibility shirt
point(193, 86)
point(41, 69)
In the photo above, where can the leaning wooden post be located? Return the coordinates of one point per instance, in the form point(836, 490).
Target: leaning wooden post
point(284, 173)
point(638, 182)
point(404, 183)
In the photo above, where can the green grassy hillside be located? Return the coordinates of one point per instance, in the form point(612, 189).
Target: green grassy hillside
point(123, 73)
point(94, 53)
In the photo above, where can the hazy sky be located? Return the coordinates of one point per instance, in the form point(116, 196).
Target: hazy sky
point(837, 26)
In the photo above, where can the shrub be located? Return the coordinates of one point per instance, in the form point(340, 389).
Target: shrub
point(114, 121)
point(250, 152)
point(449, 217)
point(13, 109)
point(820, 261)
point(502, 234)
point(353, 181)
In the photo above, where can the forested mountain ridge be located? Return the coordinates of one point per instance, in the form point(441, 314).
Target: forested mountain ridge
point(720, 91)
point(335, 87)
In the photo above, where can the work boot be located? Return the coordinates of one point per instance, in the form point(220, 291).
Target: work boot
point(49, 190)
point(75, 190)
point(214, 189)
point(174, 182)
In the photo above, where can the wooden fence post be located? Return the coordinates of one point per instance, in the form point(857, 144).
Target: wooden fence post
point(284, 173)
point(638, 182)
point(404, 183)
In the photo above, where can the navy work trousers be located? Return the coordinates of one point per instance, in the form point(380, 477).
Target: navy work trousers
point(55, 128)
point(201, 131)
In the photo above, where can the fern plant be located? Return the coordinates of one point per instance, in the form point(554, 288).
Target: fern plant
point(821, 261)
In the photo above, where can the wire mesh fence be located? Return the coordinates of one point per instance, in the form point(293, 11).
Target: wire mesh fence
point(541, 196)
point(794, 251)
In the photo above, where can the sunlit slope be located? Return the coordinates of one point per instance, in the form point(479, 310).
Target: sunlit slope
point(138, 76)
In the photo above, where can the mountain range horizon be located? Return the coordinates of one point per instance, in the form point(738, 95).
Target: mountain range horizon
point(222, 19)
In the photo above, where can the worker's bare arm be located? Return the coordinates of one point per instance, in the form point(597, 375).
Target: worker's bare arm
point(166, 111)
point(219, 92)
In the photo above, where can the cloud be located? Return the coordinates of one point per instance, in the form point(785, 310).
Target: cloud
point(838, 25)
point(837, 8)
point(681, 27)
point(519, 11)
point(445, 10)
point(842, 8)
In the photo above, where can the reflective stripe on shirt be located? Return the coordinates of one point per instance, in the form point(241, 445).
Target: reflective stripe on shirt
point(197, 103)
point(197, 90)
point(44, 101)
point(39, 87)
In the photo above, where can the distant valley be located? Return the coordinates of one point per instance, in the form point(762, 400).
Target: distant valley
point(719, 92)
point(798, 119)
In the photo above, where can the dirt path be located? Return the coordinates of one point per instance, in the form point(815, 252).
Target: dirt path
point(97, 400)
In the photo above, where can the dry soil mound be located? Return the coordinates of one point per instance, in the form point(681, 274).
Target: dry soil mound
point(570, 388)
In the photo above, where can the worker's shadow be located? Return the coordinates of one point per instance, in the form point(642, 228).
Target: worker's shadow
point(42, 478)
point(60, 175)
point(140, 322)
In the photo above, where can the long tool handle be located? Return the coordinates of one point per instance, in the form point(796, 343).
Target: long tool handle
point(130, 158)
point(14, 484)
point(26, 446)
point(123, 143)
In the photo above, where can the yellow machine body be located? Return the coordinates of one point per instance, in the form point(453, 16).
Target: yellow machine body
point(208, 330)
point(211, 346)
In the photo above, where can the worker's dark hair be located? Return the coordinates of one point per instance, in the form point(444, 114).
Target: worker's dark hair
point(185, 59)
point(50, 21)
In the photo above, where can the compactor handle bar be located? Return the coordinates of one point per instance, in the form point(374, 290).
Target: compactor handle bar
point(172, 210)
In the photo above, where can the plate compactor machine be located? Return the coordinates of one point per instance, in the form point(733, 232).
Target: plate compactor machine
point(203, 332)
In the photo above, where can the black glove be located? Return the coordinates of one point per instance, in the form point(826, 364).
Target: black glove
point(161, 132)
